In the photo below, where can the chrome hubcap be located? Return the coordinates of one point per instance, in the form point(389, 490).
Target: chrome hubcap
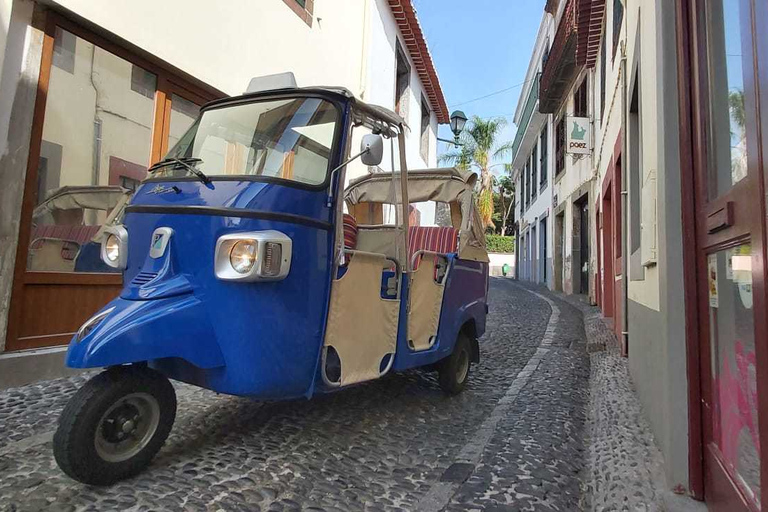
point(127, 427)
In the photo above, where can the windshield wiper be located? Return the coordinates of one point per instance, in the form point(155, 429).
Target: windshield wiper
point(187, 163)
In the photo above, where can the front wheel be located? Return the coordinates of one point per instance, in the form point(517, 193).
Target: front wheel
point(453, 371)
point(114, 425)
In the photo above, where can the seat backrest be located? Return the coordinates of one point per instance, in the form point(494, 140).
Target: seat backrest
point(350, 232)
point(432, 238)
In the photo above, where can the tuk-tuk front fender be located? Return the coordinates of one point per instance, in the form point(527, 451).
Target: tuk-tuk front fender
point(135, 331)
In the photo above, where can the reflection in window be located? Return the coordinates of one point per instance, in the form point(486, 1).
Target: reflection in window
point(64, 44)
point(727, 123)
point(732, 342)
point(183, 115)
point(143, 82)
point(94, 123)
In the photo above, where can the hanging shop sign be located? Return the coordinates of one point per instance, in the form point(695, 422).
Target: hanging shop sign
point(578, 138)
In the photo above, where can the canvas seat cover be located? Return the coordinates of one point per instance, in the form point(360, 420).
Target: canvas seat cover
point(362, 326)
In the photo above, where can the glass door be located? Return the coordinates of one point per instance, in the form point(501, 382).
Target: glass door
point(105, 116)
point(730, 254)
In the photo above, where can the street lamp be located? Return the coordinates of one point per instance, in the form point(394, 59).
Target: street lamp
point(458, 120)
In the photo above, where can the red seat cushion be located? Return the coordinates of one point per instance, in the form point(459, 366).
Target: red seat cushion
point(350, 232)
point(436, 239)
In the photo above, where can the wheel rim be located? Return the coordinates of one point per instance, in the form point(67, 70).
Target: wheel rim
point(462, 368)
point(127, 427)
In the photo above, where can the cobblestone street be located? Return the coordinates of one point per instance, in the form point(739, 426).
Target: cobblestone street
point(513, 440)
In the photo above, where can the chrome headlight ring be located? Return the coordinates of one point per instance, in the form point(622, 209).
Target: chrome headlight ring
point(253, 256)
point(114, 247)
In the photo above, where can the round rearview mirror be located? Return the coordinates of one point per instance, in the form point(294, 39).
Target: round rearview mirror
point(372, 147)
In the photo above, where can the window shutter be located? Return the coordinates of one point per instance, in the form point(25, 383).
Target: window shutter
point(648, 226)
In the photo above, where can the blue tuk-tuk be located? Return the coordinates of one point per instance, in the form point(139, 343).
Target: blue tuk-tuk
point(250, 270)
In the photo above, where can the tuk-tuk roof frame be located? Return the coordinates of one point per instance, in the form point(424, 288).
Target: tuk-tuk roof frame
point(372, 112)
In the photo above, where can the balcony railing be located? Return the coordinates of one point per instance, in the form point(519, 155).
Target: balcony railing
point(575, 45)
point(530, 105)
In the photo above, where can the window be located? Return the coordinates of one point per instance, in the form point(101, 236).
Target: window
point(618, 17)
point(580, 100)
point(533, 159)
point(289, 139)
point(528, 182)
point(99, 140)
point(402, 81)
point(425, 123)
point(64, 47)
point(143, 82)
point(602, 77)
point(560, 146)
point(522, 190)
point(80, 140)
point(543, 150)
point(302, 8)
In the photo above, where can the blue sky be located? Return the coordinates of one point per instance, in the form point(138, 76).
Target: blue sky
point(480, 47)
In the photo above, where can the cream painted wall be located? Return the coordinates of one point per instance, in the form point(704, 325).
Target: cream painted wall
point(226, 46)
point(646, 291)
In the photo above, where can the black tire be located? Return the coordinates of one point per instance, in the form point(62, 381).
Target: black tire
point(453, 371)
point(82, 425)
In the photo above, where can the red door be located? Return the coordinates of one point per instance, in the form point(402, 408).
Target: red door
point(719, 44)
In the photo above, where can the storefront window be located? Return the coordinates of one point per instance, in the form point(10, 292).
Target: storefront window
point(734, 373)
point(97, 134)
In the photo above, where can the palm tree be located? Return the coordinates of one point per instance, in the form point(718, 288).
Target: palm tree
point(506, 191)
point(481, 146)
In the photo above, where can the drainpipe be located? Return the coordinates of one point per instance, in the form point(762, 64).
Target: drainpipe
point(624, 196)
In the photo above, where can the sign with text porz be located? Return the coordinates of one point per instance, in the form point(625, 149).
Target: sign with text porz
point(578, 136)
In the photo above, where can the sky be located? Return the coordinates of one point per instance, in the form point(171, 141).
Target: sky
point(480, 47)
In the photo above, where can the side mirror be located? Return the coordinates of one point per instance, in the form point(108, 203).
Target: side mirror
point(372, 147)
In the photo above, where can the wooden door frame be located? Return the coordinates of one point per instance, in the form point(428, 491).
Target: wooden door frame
point(599, 256)
point(166, 75)
point(698, 241)
point(609, 275)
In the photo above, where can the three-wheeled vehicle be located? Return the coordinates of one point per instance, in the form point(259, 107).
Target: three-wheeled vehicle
point(250, 270)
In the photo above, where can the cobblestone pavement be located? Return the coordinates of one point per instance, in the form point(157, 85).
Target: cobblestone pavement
point(513, 440)
point(624, 467)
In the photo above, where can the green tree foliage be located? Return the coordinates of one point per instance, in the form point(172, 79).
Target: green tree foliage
point(500, 244)
point(480, 147)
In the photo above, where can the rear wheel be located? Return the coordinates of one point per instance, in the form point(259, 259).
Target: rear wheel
point(114, 425)
point(453, 371)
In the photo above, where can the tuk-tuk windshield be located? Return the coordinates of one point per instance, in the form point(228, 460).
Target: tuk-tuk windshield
point(289, 138)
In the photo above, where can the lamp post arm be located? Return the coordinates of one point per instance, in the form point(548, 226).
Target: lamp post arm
point(456, 143)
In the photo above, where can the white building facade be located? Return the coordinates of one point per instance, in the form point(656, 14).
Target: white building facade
point(532, 170)
point(92, 94)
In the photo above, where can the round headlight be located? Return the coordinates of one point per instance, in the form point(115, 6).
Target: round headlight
point(112, 248)
point(242, 256)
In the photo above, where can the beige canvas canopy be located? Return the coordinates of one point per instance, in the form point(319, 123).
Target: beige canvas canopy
point(446, 185)
point(103, 198)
